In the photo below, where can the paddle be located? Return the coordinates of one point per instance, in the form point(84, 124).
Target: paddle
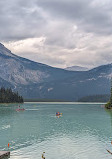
point(109, 152)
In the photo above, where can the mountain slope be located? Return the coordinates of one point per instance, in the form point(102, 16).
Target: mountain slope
point(93, 82)
point(17, 70)
point(23, 74)
point(36, 80)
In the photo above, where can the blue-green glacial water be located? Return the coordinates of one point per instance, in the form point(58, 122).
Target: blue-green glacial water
point(84, 131)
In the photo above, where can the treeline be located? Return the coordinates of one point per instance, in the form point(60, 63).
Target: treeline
point(8, 96)
point(44, 100)
point(95, 98)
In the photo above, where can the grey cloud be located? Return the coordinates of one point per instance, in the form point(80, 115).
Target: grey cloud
point(20, 20)
point(90, 18)
point(55, 20)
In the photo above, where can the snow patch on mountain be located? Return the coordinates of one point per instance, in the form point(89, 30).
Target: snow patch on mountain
point(50, 89)
point(76, 68)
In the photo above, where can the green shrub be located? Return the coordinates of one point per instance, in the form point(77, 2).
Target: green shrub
point(108, 105)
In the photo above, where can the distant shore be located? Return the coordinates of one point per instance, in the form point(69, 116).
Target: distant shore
point(102, 98)
point(45, 100)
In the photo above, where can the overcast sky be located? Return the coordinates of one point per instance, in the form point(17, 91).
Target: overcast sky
point(59, 33)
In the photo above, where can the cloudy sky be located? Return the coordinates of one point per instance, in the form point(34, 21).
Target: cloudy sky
point(59, 33)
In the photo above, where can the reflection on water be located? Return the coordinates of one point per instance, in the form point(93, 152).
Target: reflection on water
point(109, 111)
point(82, 130)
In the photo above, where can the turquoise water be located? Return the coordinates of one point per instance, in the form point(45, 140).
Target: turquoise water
point(83, 132)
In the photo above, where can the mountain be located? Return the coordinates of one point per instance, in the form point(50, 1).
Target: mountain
point(36, 80)
point(93, 82)
point(76, 68)
point(25, 75)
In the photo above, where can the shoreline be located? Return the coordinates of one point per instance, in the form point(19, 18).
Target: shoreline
point(69, 102)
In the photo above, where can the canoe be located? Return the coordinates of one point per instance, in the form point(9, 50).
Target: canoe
point(22, 109)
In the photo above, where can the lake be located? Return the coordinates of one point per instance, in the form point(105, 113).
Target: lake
point(84, 131)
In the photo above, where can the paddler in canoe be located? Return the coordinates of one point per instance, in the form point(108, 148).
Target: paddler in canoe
point(58, 113)
point(20, 109)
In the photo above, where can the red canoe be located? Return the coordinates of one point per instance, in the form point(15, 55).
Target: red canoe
point(20, 109)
